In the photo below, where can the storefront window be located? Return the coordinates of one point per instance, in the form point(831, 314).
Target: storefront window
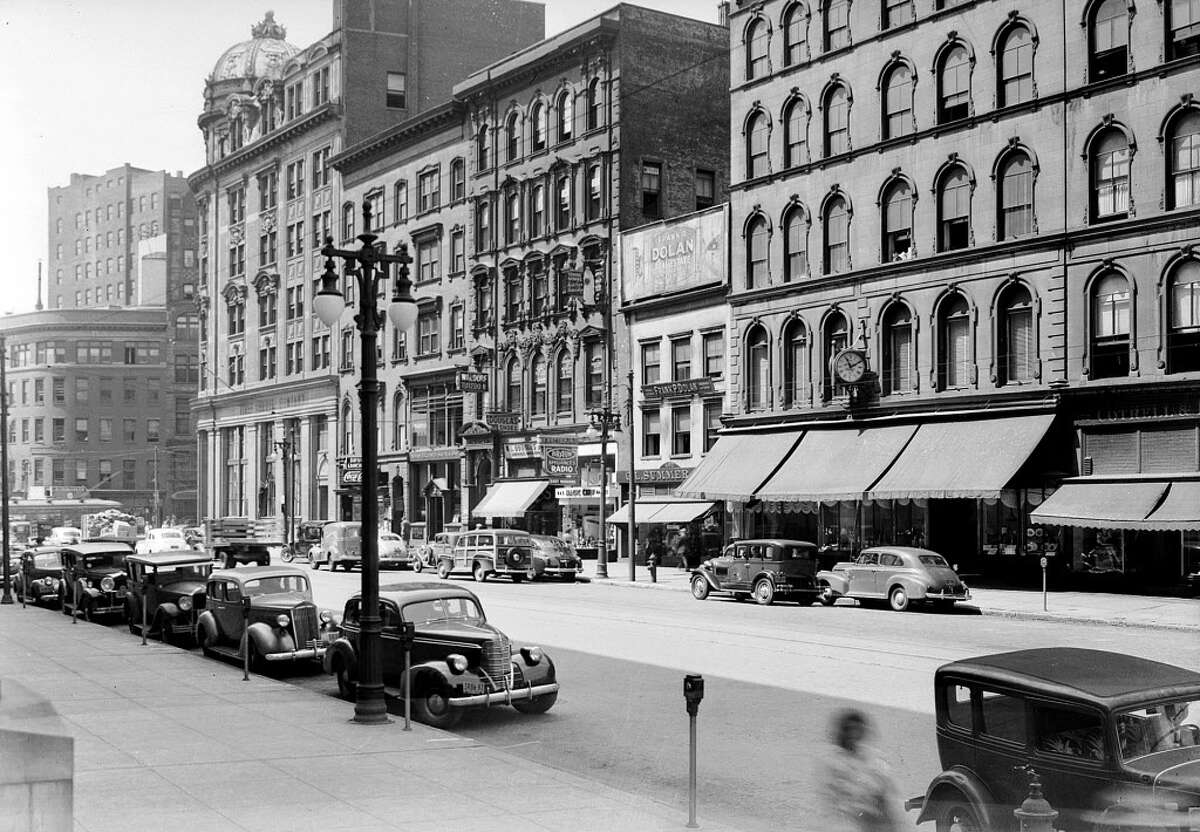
point(1099, 551)
point(1000, 525)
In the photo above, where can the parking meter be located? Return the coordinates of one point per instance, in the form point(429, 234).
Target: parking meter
point(693, 692)
point(245, 638)
point(408, 633)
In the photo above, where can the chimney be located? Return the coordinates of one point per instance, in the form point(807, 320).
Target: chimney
point(723, 13)
point(38, 305)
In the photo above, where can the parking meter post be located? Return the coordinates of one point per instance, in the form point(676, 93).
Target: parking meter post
point(246, 639)
point(409, 634)
point(1045, 563)
point(75, 606)
point(143, 586)
point(693, 692)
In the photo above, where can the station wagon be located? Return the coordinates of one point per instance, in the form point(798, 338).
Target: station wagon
point(487, 552)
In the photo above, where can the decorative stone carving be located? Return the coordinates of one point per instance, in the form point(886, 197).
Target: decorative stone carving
point(237, 233)
point(267, 220)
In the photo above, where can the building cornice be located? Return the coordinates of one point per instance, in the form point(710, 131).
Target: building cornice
point(386, 141)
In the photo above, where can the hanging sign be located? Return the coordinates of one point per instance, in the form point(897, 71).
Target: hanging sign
point(473, 382)
point(560, 462)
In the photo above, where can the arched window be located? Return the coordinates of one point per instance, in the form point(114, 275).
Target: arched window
point(1110, 176)
point(564, 391)
point(458, 181)
point(795, 129)
point(758, 370)
point(346, 445)
point(594, 103)
point(954, 343)
point(954, 85)
point(954, 210)
point(1183, 27)
point(795, 365)
point(512, 389)
point(757, 245)
point(1016, 67)
point(481, 148)
point(1183, 318)
point(756, 146)
point(1184, 160)
point(898, 102)
point(539, 125)
point(898, 370)
point(1110, 326)
point(835, 337)
point(837, 236)
point(795, 34)
point(837, 120)
point(755, 40)
point(398, 422)
point(897, 222)
point(1108, 31)
point(512, 138)
point(1016, 197)
point(795, 245)
point(537, 377)
point(1015, 347)
point(565, 112)
point(512, 216)
point(837, 24)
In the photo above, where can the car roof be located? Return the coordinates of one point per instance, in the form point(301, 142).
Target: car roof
point(248, 573)
point(774, 541)
point(340, 524)
point(1112, 680)
point(40, 550)
point(901, 550)
point(98, 548)
point(170, 558)
point(406, 593)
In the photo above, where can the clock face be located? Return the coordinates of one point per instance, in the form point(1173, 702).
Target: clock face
point(850, 366)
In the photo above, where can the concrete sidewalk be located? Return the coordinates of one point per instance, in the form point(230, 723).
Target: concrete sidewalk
point(1077, 607)
point(165, 738)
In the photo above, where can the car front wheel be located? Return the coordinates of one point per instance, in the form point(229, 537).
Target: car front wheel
point(479, 572)
point(898, 598)
point(443, 570)
point(699, 587)
point(417, 564)
point(958, 817)
point(826, 595)
point(538, 704)
point(205, 641)
point(434, 709)
point(347, 688)
point(764, 591)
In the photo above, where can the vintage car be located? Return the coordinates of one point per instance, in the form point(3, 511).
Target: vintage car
point(767, 570)
point(341, 542)
point(166, 593)
point(1114, 740)
point(486, 552)
point(553, 557)
point(458, 659)
point(38, 576)
point(162, 540)
point(393, 551)
point(60, 535)
point(273, 605)
point(94, 579)
point(901, 575)
point(430, 552)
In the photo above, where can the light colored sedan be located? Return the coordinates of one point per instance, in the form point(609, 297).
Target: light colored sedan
point(902, 575)
point(393, 551)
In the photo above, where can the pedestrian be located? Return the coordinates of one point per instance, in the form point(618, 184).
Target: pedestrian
point(859, 794)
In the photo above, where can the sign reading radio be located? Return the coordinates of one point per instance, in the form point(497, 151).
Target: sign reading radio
point(671, 389)
point(560, 462)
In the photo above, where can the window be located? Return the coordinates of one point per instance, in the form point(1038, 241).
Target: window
point(429, 190)
point(58, 430)
point(237, 205)
point(714, 354)
point(898, 102)
point(539, 124)
point(267, 309)
point(758, 370)
point(268, 247)
point(795, 365)
point(83, 387)
point(187, 369)
point(834, 339)
point(39, 430)
point(757, 245)
point(954, 85)
point(1184, 24)
point(954, 210)
point(482, 149)
point(795, 133)
point(1016, 67)
point(483, 225)
point(756, 40)
point(795, 245)
point(757, 160)
point(458, 180)
point(564, 388)
point(954, 343)
point(652, 189)
point(897, 13)
point(595, 101)
point(1016, 346)
point(712, 424)
point(651, 433)
point(563, 203)
point(320, 165)
point(512, 137)
point(458, 252)
point(512, 217)
point(565, 111)
point(321, 229)
point(1108, 31)
point(651, 363)
point(681, 430)
point(396, 83)
point(837, 236)
point(706, 189)
point(295, 179)
point(268, 190)
point(429, 264)
point(837, 24)
point(681, 359)
point(1110, 326)
point(1184, 160)
point(537, 375)
point(512, 296)
point(595, 193)
point(320, 86)
point(1016, 197)
point(1069, 732)
point(898, 349)
point(39, 391)
point(1003, 717)
point(512, 377)
point(266, 362)
point(837, 121)
point(795, 35)
point(537, 211)
point(897, 223)
point(1110, 176)
point(295, 239)
point(429, 339)
point(1183, 318)
point(594, 386)
point(81, 429)
point(348, 221)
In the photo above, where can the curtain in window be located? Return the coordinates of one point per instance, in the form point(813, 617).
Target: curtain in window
point(1016, 197)
point(1111, 175)
point(1185, 160)
point(1185, 296)
point(758, 370)
point(837, 237)
point(1111, 307)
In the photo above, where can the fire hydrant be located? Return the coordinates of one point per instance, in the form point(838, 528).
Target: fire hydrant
point(1036, 814)
point(652, 566)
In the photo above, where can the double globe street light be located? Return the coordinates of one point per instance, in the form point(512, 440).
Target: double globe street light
point(367, 266)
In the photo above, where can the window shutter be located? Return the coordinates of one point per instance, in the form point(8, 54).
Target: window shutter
point(1168, 450)
point(1112, 452)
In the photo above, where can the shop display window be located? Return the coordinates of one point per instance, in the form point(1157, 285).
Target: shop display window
point(1099, 551)
point(1000, 525)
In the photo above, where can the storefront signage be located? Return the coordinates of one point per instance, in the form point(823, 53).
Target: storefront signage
point(574, 284)
point(473, 382)
point(668, 389)
point(668, 473)
point(577, 492)
point(504, 420)
point(65, 492)
point(566, 440)
point(520, 449)
point(354, 477)
point(560, 463)
point(282, 402)
point(674, 256)
point(1141, 413)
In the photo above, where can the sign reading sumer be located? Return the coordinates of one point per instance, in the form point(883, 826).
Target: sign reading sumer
point(675, 256)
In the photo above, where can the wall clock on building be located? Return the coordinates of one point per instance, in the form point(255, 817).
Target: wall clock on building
point(849, 366)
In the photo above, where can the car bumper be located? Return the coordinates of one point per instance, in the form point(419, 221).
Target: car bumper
point(561, 571)
point(315, 651)
point(965, 595)
point(503, 697)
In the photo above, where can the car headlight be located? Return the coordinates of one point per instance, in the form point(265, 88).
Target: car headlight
point(185, 603)
point(107, 583)
point(282, 620)
point(457, 662)
point(532, 655)
point(326, 617)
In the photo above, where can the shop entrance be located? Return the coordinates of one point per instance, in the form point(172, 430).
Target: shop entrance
point(954, 533)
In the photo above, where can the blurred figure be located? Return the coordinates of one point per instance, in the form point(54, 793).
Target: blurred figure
point(859, 794)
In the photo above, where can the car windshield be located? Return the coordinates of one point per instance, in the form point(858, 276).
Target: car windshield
point(1166, 726)
point(513, 540)
point(443, 609)
point(279, 583)
point(113, 559)
point(175, 533)
point(551, 544)
point(352, 532)
point(934, 560)
point(184, 572)
point(50, 560)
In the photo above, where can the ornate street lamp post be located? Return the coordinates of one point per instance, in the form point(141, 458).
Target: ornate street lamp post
point(367, 266)
point(286, 445)
point(603, 420)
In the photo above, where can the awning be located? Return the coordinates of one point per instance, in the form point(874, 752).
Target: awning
point(1102, 505)
point(1180, 510)
point(509, 499)
point(657, 511)
point(738, 465)
point(835, 464)
point(972, 459)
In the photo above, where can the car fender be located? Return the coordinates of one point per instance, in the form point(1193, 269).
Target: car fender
point(708, 577)
point(434, 673)
point(168, 610)
point(488, 562)
point(267, 639)
point(962, 781)
point(341, 651)
point(542, 673)
point(838, 582)
point(208, 623)
point(915, 589)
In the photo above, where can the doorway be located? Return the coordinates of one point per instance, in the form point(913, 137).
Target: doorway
point(954, 533)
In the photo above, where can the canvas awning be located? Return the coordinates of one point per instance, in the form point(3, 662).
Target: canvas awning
point(1102, 505)
point(738, 465)
point(1179, 510)
point(509, 499)
point(970, 459)
point(835, 464)
point(660, 511)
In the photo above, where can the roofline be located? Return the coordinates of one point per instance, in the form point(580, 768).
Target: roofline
point(378, 145)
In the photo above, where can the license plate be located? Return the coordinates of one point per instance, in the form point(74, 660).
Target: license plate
point(472, 686)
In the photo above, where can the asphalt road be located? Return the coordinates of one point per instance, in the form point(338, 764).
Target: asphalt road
point(774, 678)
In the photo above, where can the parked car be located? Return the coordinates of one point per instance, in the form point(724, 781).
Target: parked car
point(901, 575)
point(458, 661)
point(64, 535)
point(38, 576)
point(487, 552)
point(169, 588)
point(766, 569)
point(1114, 739)
point(282, 621)
point(341, 542)
point(393, 551)
point(553, 557)
point(94, 573)
point(428, 555)
point(162, 540)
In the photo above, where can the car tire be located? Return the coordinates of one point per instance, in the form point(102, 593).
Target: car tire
point(536, 705)
point(347, 687)
point(957, 817)
point(444, 569)
point(433, 708)
point(132, 620)
point(517, 577)
point(417, 564)
point(479, 571)
point(826, 595)
point(700, 587)
point(316, 565)
point(205, 641)
point(898, 599)
point(531, 574)
point(764, 592)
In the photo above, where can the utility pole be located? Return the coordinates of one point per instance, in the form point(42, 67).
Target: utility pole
point(157, 505)
point(6, 596)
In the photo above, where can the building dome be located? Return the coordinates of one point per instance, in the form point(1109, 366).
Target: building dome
point(263, 56)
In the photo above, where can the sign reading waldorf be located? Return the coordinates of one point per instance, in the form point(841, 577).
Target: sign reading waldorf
point(675, 256)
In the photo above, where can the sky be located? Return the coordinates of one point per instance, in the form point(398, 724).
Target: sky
point(88, 85)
